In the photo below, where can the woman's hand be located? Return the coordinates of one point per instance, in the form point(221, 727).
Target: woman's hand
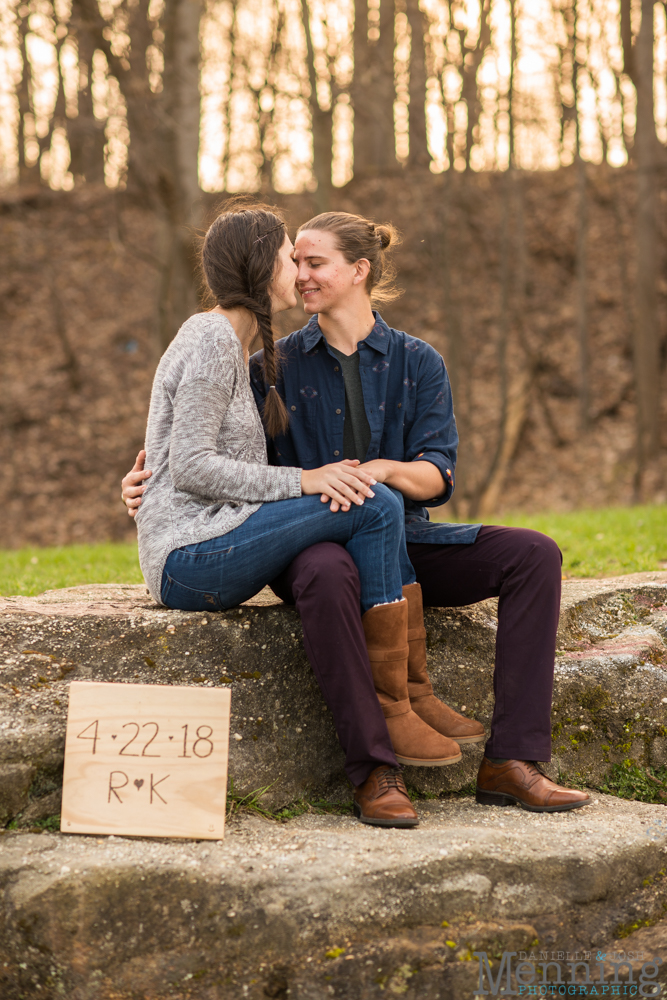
point(342, 483)
point(131, 484)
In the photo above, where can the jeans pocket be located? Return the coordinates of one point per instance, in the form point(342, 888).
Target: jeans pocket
point(181, 598)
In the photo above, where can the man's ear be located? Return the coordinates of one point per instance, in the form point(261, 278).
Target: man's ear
point(361, 271)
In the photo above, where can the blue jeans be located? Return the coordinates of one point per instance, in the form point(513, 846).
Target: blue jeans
point(222, 572)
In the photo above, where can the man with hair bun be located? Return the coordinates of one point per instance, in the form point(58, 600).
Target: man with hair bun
point(356, 389)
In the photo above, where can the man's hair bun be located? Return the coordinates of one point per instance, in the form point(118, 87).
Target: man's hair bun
point(388, 235)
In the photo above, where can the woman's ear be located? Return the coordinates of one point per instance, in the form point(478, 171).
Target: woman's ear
point(361, 271)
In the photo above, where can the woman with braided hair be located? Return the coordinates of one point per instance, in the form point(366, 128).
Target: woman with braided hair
point(217, 522)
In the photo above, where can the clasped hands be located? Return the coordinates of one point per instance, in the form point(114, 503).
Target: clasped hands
point(340, 484)
point(343, 483)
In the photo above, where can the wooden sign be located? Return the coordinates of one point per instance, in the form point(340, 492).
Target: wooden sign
point(146, 760)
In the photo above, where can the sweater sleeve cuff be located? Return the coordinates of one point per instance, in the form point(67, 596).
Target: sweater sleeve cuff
point(294, 481)
point(285, 483)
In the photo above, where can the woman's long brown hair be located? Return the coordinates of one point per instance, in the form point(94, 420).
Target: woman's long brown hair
point(239, 259)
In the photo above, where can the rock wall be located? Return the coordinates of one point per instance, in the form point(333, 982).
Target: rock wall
point(610, 693)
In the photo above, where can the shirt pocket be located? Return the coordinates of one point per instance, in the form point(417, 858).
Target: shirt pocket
point(306, 415)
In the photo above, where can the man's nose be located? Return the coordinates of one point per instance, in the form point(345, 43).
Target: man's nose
point(302, 272)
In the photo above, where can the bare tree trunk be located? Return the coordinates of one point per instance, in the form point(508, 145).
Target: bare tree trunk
point(321, 121)
point(511, 405)
point(85, 133)
point(373, 91)
point(182, 98)
point(452, 317)
point(638, 60)
point(450, 303)
point(516, 412)
point(419, 155)
point(59, 319)
point(28, 173)
point(518, 385)
point(582, 297)
point(646, 342)
point(164, 142)
point(182, 208)
point(471, 59)
point(582, 237)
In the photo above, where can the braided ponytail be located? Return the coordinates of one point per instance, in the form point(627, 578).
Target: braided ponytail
point(275, 411)
point(239, 259)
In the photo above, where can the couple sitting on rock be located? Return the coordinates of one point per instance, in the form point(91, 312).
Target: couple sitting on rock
point(361, 439)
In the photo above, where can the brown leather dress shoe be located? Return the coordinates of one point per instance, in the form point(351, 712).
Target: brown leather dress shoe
point(522, 783)
point(383, 799)
point(423, 702)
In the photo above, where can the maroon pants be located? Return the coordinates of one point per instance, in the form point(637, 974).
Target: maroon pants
point(520, 567)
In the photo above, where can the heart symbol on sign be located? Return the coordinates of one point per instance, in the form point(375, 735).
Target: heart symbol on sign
point(138, 782)
point(114, 737)
point(171, 737)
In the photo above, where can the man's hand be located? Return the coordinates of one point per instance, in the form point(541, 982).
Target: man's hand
point(415, 480)
point(341, 483)
point(131, 484)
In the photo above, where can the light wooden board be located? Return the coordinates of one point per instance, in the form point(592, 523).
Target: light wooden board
point(146, 760)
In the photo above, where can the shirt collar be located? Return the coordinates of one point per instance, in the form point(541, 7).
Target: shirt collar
point(378, 338)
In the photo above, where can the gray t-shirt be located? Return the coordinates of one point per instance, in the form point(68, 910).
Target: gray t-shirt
point(356, 429)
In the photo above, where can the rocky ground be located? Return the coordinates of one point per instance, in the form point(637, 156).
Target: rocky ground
point(322, 906)
point(319, 905)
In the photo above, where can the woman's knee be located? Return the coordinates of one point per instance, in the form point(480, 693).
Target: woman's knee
point(389, 502)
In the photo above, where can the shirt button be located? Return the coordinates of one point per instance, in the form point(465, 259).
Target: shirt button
point(336, 453)
point(293, 408)
point(337, 411)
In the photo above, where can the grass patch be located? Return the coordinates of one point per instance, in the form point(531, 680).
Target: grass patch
point(604, 542)
point(32, 570)
point(251, 803)
point(608, 541)
point(51, 823)
point(318, 806)
point(630, 781)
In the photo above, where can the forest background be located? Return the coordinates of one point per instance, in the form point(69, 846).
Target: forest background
point(519, 146)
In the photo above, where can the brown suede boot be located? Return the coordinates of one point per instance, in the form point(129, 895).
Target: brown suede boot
point(434, 712)
point(414, 742)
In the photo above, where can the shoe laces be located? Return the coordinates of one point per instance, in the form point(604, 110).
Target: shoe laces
point(391, 778)
point(535, 768)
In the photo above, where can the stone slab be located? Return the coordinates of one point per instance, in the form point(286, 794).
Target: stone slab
point(320, 905)
point(610, 693)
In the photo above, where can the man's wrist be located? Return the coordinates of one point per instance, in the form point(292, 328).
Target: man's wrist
point(380, 468)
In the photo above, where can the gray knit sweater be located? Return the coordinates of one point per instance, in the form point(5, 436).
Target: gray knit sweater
point(205, 445)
